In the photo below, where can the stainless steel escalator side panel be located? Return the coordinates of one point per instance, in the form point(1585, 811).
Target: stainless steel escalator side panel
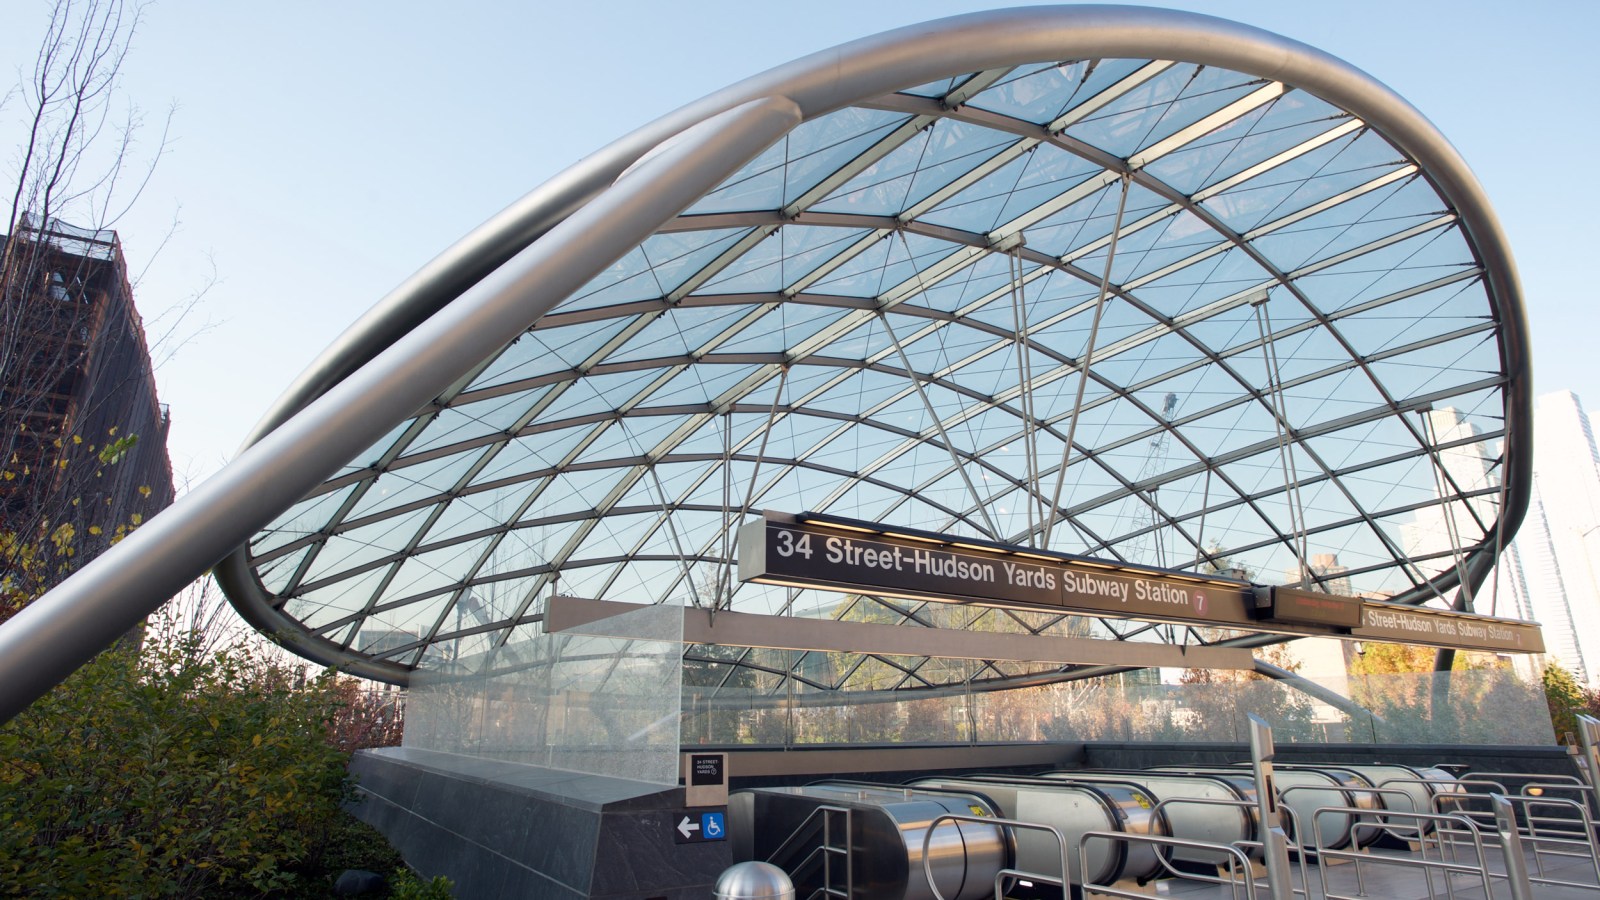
point(887, 827)
point(1071, 810)
point(1353, 782)
point(1404, 778)
point(1314, 790)
point(1209, 823)
point(1242, 786)
point(1418, 787)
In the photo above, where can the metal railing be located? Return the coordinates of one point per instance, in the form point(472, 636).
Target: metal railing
point(1259, 847)
point(1475, 780)
point(1526, 776)
point(1437, 823)
point(1407, 833)
point(823, 853)
point(1571, 836)
point(1305, 842)
point(1240, 881)
point(1538, 784)
point(1000, 877)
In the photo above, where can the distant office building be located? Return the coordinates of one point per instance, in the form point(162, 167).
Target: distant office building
point(1550, 572)
point(1466, 467)
point(1566, 518)
point(1326, 572)
point(1434, 533)
point(83, 435)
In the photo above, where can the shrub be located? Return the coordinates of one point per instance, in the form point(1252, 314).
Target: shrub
point(1565, 699)
point(176, 772)
point(405, 885)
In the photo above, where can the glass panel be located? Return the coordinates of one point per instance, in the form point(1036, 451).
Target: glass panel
point(531, 453)
point(673, 336)
point(785, 698)
point(472, 420)
point(807, 155)
point(409, 484)
point(319, 607)
point(1287, 122)
point(757, 185)
point(306, 517)
point(427, 572)
point(275, 575)
point(359, 546)
point(1041, 94)
point(1319, 175)
point(784, 328)
point(603, 699)
point(369, 458)
point(978, 207)
point(655, 268)
point(547, 351)
point(1160, 107)
point(817, 148)
point(786, 256)
point(478, 511)
point(928, 162)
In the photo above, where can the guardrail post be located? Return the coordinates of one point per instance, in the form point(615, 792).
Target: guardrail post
point(1505, 822)
point(1588, 761)
point(1589, 735)
point(1274, 840)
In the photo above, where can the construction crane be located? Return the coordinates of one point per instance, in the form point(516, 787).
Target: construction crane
point(1145, 543)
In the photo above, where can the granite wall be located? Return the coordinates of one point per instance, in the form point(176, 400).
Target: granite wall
point(511, 830)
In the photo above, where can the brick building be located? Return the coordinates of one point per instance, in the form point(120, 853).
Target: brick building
point(82, 431)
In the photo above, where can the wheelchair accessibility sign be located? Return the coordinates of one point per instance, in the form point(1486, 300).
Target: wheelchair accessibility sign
point(696, 826)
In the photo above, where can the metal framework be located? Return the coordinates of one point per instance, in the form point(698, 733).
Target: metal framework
point(947, 277)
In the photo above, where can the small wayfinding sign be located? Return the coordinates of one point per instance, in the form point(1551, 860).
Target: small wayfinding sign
point(705, 779)
point(694, 826)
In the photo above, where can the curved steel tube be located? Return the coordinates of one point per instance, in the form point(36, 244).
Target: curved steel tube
point(874, 66)
point(47, 640)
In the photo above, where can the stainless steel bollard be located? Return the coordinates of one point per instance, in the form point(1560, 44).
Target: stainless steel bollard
point(1274, 840)
point(1589, 735)
point(754, 881)
point(1505, 822)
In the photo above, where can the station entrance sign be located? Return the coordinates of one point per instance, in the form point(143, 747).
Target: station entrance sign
point(831, 553)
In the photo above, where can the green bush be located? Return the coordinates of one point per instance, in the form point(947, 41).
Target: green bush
point(405, 885)
point(176, 772)
point(1565, 699)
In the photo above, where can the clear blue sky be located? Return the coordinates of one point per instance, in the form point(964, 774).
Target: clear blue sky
point(323, 151)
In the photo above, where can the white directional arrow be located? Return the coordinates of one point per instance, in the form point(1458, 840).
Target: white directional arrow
point(686, 826)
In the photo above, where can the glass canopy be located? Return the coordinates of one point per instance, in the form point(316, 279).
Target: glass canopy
point(1142, 309)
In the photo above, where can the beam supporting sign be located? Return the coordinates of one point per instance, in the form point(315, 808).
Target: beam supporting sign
point(792, 633)
point(830, 553)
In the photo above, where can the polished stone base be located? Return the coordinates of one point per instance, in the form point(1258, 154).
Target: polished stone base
point(500, 829)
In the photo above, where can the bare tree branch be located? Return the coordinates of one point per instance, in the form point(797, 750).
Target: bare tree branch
point(77, 391)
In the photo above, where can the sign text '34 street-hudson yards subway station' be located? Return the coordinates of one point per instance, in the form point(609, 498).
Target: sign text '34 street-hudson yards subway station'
point(781, 549)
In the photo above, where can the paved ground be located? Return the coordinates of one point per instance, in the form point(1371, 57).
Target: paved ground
point(1390, 875)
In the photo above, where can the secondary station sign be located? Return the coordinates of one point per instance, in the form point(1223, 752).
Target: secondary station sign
point(1413, 625)
point(860, 558)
